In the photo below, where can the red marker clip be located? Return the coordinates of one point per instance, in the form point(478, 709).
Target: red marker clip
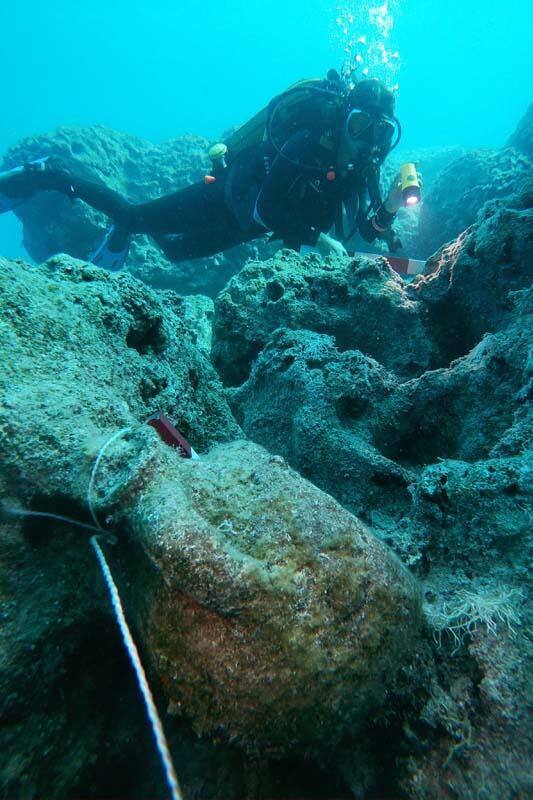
point(170, 435)
point(330, 175)
point(209, 179)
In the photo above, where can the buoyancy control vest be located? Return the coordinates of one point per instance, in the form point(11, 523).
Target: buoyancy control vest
point(320, 106)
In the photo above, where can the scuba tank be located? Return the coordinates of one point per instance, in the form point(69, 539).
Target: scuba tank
point(313, 102)
point(317, 105)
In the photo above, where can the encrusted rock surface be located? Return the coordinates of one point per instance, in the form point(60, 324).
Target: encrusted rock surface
point(273, 616)
point(269, 615)
point(318, 408)
point(275, 625)
point(470, 291)
point(360, 433)
point(362, 302)
point(451, 204)
point(522, 138)
point(440, 465)
point(104, 350)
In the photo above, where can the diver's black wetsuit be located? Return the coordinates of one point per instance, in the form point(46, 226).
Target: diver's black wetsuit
point(299, 202)
point(191, 222)
point(259, 192)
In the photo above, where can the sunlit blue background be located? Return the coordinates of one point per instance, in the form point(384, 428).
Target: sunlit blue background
point(161, 69)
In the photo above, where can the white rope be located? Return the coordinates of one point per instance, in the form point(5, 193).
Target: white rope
point(7, 512)
point(133, 654)
point(90, 489)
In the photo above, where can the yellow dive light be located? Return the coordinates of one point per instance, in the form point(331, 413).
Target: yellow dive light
point(410, 185)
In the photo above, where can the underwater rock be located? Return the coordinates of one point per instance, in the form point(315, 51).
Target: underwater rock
point(85, 351)
point(361, 302)
point(459, 192)
point(448, 451)
point(319, 409)
point(440, 466)
point(372, 438)
point(465, 433)
point(474, 737)
point(141, 171)
point(269, 612)
point(470, 289)
point(522, 138)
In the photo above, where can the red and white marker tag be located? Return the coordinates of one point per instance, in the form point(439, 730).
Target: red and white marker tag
point(405, 266)
point(171, 435)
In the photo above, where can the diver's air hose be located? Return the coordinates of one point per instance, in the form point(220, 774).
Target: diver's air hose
point(274, 106)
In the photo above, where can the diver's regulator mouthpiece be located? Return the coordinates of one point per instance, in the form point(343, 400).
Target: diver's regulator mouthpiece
point(410, 185)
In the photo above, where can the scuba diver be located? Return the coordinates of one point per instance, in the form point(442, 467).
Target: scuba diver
point(306, 164)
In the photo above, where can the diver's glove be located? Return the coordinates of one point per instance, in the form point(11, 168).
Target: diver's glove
point(325, 245)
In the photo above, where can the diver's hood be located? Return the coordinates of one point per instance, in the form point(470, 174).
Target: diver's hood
point(373, 96)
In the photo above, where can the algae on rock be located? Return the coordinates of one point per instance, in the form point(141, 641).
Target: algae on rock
point(361, 302)
point(273, 616)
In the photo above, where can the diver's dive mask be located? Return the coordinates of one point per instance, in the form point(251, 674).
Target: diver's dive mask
point(367, 133)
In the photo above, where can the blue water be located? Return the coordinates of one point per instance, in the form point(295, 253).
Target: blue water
point(162, 69)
